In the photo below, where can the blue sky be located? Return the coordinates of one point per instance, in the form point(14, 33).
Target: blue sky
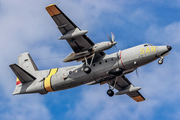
point(25, 26)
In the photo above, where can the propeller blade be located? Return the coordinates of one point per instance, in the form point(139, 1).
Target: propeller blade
point(113, 37)
point(109, 38)
point(116, 47)
point(137, 73)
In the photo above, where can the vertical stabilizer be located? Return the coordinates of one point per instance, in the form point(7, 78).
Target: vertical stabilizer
point(25, 61)
point(28, 80)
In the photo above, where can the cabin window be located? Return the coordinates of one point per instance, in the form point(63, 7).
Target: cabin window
point(106, 61)
point(94, 64)
point(112, 59)
point(70, 72)
point(76, 71)
point(100, 63)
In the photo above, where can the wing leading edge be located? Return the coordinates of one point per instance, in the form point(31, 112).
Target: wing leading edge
point(76, 37)
point(124, 86)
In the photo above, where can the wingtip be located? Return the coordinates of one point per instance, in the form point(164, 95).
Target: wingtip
point(50, 5)
point(53, 10)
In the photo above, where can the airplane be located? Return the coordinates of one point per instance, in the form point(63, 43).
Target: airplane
point(97, 67)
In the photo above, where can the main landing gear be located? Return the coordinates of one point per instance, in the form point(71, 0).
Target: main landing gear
point(160, 61)
point(110, 92)
point(87, 68)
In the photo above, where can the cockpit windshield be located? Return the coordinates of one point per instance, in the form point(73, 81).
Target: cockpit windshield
point(145, 45)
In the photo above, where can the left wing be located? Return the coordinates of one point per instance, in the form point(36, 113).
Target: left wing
point(76, 37)
point(124, 86)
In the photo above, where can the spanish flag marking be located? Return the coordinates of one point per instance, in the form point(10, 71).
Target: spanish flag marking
point(18, 81)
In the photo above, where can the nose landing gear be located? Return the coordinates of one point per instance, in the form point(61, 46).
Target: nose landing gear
point(160, 61)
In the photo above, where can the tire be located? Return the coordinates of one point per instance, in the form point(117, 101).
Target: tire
point(110, 93)
point(87, 69)
point(160, 62)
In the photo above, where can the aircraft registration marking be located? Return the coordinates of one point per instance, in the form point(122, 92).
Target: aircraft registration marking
point(147, 50)
point(47, 81)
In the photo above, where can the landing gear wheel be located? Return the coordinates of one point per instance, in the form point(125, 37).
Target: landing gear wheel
point(110, 93)
point(87, 69)
point(160, 62)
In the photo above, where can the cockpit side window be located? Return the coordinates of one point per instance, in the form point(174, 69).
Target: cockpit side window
point(145, 45)
point(150, 44)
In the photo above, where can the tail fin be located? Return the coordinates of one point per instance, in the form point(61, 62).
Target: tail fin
point(25, 71)
point(25, 62)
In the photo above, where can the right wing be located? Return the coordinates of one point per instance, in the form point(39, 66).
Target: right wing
point(76, 38)
point(124, 86)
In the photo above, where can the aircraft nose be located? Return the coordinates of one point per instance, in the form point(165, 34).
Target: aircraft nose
point(169, 48)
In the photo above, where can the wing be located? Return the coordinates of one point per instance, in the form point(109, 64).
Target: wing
point(124, 86)
point(76, 38)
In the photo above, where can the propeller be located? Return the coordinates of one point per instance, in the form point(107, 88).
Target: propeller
point(112, 38)
point(137, 72)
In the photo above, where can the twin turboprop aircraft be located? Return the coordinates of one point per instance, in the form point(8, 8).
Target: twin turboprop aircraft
point(97, 67)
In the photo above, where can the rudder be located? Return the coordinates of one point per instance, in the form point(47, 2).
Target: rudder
point(26, 62)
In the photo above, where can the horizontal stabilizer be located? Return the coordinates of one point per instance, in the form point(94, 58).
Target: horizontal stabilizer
point(22, 75)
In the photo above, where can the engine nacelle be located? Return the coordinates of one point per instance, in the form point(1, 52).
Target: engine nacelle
point(99, 47)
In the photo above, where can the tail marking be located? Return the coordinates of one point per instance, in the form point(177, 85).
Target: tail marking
point(18, 81)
